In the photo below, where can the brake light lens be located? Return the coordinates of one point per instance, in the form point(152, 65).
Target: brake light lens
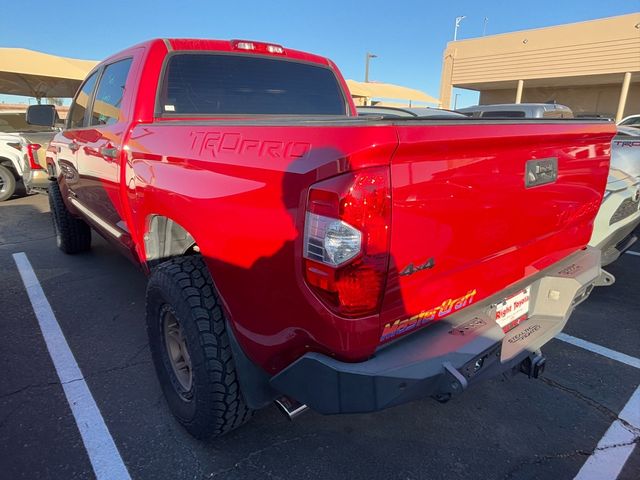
point(275, 49)
point(346, 240)
point(32, 148)
point(245, 46)
point(258, 47)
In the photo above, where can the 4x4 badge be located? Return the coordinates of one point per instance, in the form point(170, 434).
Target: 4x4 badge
point(411, 269)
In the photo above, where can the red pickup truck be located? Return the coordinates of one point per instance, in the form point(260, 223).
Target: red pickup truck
point(297, 252)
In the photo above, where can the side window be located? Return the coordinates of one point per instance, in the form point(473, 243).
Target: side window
point(80, 103)
point(108, 102)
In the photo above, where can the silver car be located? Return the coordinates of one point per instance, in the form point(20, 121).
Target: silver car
point(518, 110)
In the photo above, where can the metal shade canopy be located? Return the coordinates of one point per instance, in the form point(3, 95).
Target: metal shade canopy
point(388, 90)
point(36, 74)
point(358, 89)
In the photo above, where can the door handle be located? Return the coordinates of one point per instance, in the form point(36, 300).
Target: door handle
point(109, 152)
point(74, 146)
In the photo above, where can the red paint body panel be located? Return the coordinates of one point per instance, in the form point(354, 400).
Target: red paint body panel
point(246, 212)
point(459, 197)
point(239, 187)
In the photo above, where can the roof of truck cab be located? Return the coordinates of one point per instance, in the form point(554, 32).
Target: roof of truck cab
point(195, 44)
point(211, 45)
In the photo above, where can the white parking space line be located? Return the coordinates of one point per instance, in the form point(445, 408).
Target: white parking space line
point(617, 444)
point(102, 451)
point(604, 351)
point(629, 252)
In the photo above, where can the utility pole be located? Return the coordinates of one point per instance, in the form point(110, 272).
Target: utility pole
point(484, 26)
point(455, 32)
point(366, 65)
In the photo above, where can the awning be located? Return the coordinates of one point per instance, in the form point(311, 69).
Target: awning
point(36, 74)
point(388, 90)
point(358, 89)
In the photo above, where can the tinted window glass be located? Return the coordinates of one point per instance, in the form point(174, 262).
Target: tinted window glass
point(108, 102)
point(76, 113)
point(240, 84)
point(503, 114)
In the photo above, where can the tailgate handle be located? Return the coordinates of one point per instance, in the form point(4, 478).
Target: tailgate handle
point(540, 172)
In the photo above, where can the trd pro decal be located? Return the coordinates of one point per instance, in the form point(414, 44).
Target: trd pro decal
point(218, 143)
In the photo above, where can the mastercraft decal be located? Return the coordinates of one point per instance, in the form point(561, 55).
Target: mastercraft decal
point(445, 308)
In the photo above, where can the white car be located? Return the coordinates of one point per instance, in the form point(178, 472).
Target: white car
point(13, 158)
point(619, 214)
point(630, 121)
point(21, 154)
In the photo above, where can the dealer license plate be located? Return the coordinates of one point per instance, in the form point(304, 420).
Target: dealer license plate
point(514, 310)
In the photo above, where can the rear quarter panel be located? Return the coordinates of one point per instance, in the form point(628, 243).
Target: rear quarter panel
point(241, 192)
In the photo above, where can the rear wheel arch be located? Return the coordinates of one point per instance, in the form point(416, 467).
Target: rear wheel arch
point(164, 238)
point(10, 164)
point(51, 168)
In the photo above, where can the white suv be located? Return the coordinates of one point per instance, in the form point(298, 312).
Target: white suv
point(619, 214)
point(13, 158)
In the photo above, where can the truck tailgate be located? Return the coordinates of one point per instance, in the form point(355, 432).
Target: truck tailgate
point(478, 207)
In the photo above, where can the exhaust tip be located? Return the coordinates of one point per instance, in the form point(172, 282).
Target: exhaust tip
point(290, 407)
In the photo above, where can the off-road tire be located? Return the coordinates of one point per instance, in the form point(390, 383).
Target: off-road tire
point(73, 235)
point(213, 406)
point(21, 189)
point(8, 183)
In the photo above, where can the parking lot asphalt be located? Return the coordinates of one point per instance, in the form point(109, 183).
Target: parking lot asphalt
point(513, 428)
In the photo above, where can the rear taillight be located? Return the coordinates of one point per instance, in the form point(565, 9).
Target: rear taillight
point(346, 240)
point(32, 148)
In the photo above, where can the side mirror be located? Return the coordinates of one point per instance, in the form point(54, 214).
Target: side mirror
point(43, 115)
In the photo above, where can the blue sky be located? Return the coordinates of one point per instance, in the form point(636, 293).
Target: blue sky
point(408, 36)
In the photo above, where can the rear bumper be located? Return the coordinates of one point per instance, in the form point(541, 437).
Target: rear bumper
point(619, 241)
point(446, 357)
point(36, 179)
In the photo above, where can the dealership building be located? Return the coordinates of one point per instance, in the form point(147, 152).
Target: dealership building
point(593, 67)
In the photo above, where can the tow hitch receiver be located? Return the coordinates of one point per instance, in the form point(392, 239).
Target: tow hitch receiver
point(533, 367)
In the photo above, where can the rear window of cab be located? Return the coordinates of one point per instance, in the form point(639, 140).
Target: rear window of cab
point(196, 84)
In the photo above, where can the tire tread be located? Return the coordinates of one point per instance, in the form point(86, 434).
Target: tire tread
point(220, 407)
point(10, 180)
point(75, 234)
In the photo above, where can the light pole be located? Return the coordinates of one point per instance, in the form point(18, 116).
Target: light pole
point(366, 65)
point(455, 32)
